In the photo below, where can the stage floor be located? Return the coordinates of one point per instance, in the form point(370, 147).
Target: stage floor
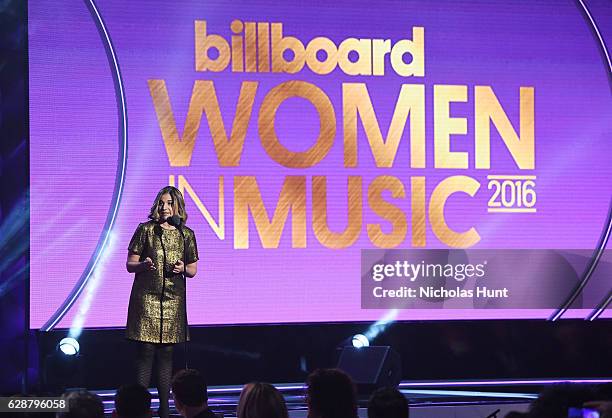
point(458, 399)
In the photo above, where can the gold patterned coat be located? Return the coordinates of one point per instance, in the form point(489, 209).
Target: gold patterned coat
point(156, 313)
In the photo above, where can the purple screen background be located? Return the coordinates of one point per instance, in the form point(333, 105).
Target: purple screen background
point(73, 146)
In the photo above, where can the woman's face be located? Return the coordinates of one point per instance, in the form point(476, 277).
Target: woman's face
point(164, 208)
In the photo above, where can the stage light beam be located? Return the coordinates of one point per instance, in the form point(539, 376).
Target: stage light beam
point(381, 325)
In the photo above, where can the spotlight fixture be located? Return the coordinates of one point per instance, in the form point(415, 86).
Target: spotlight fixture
point(360, 341)
point(69, 346)
point(62, 367)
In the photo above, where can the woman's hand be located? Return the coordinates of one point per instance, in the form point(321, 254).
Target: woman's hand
point(190, 270)
point(179, 267)
point(148, 265)
point(135, 266)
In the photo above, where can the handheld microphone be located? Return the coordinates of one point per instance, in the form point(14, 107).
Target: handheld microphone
point(174, 220)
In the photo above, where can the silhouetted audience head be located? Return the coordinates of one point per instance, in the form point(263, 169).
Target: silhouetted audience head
point(261, 400)
point(555, 401)
point(189, 391)
point(132, 401)
point(387, 403)
point(331, 394)
point(189, 388)
point(82, 404)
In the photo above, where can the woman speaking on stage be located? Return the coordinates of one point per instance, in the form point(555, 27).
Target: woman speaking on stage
point(160, 251)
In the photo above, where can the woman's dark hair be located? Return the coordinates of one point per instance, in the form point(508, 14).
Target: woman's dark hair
point(331, 393)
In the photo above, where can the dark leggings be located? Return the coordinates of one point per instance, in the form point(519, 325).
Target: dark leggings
point(144, 366)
